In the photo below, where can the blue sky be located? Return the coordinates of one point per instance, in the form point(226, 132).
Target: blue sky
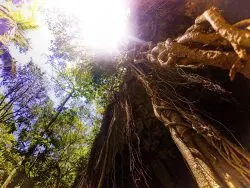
point(103, 25)
point(39, 44)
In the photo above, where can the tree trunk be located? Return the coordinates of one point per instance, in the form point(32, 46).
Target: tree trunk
point(214, 163)
point(32, 148)
point(213, 160)
point(10, 177)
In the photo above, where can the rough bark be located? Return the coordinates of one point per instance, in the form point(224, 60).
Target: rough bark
point(213, 160)
point(225, 48)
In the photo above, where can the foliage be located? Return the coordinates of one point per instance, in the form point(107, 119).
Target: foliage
point(9, 156)
point(93, 77)
point(47, 143)
point(23, 92)
point(58, 148)
point(51, 153)
point(14, 23)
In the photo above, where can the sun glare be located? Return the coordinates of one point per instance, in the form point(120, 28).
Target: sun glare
point(103, 23)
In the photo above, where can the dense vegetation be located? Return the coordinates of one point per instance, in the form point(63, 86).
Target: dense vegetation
point(45, 141)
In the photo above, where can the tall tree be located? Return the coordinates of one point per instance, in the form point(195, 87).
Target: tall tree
point(169, 73)
point(13, 24)
point(22, 92)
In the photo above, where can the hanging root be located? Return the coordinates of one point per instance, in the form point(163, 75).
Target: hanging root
point(222, 27)
point(213, 160)
point(225, 48)
point(238, 38)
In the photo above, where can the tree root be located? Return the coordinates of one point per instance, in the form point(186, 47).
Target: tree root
point(242, 24)
point(221, 26)
point(225, 48)
point(214, 161)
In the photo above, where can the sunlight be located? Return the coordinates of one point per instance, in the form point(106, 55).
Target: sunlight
point(103, 23)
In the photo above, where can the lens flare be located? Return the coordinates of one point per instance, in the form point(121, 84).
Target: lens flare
point(103, 23)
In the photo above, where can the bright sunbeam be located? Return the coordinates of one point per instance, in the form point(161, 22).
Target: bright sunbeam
point(103, 23)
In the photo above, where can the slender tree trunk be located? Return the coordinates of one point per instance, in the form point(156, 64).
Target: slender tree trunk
point(57, 185)
point(33, 147)
point(60, 108)
point(10, 177)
